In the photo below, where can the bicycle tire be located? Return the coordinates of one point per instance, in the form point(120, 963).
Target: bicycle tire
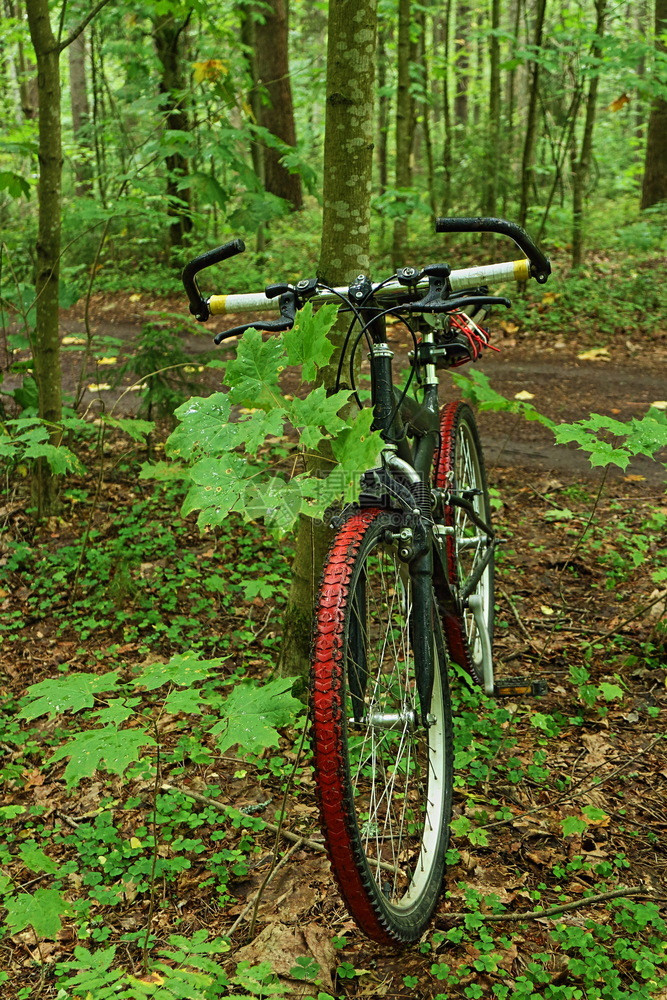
point(459, 466)
point(384, 779)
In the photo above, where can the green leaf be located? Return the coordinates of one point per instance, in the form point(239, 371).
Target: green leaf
point(594, 815)
point(316, 416)
point(184, 669)
point(307, 343)
point(67, 694)
point(611, 691)
point(219, 486)
point(572, 825)
point(186, 701)
point(253, 374)
point(61, 460)
point(251, 715)
point(137, 429)
point(42, 911)
point(34, 858)
point(203, 429)
point(109, 749)
point(117, 711)
point(357, 448)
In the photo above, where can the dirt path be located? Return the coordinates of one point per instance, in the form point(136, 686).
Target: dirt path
point(564, 387)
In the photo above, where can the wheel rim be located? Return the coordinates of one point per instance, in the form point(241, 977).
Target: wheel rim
point(470, 542)
point(396, 765)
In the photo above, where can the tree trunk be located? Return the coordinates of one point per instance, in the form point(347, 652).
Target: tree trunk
point(493, 152)
point(528, 159)
point(168, 35)
point(654, 185)
point(462, 62)
point(426, 111)
point(46, 338)
point(446, 112)
point(26, 70)
point(403, 129)
point(272, 61)
point(80, 114)
point(582, 165)
point(383, 110)
point(344, 253)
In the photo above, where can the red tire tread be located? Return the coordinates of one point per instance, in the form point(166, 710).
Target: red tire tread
point(328, 724)
point(453, 626)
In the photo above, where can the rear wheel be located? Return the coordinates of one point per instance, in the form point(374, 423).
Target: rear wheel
point(469, 549)
point(384, 777)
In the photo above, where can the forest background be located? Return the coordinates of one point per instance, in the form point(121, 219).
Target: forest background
point(133, 137)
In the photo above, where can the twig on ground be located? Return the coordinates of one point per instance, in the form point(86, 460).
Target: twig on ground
point(314, 845)
point(517, 618)
point(633, 890)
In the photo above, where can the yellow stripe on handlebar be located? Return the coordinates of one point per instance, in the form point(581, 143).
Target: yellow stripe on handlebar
point(521, 269)
point(216, 305)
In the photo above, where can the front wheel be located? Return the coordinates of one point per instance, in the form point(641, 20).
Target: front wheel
point(384, 777)
point(459, 468)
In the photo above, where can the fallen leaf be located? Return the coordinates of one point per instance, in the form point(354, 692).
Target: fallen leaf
point(546, 610)
point(660, 404)
point(595, 354)
point(107, 361)
point(136, 297)
point(281, 946)
point(524, 394)
point(99, 387)
point(634, 479)
point(73, 340)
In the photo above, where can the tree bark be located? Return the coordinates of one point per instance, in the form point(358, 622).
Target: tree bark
point(344, 253)
point(654, 184)
point(582, 165)
point(168, 33)
point(461, 63)
point(446, 111)
point(80, 114)
point(403, 128)
point(426, 111)
point(528, 159)
point(277, 114)
point(493, 152)
point(46, 337)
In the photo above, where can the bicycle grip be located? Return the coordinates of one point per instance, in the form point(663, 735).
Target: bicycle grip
point(540, 265)
point(198, 304)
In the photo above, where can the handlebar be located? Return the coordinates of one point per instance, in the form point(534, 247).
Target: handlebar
point(540, 265)
point(535, 265)
point(198, 304)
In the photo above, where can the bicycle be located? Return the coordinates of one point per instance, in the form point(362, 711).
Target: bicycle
point(407, 583)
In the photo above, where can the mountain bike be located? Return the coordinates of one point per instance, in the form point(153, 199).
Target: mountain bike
point(408, 580)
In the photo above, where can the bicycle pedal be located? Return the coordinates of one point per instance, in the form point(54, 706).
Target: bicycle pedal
point(512, 686)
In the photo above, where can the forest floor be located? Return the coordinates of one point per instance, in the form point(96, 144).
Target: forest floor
point(566, 800)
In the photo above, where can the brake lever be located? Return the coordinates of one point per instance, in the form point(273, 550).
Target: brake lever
point(286, 322)
point(429, 305)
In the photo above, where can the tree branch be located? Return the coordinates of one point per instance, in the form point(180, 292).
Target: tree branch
point(74, 34)
point(635, 890)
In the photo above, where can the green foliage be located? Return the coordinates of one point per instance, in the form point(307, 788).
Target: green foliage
point(644, 436)
point(40, 910)
point(251, 716)
point(207, 438)
point(161, 366)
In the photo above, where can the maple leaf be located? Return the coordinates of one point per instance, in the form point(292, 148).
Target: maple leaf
point(251, 715)
point(109, 749)
point(40, 910)
point(183, 669)
point(70, 693)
